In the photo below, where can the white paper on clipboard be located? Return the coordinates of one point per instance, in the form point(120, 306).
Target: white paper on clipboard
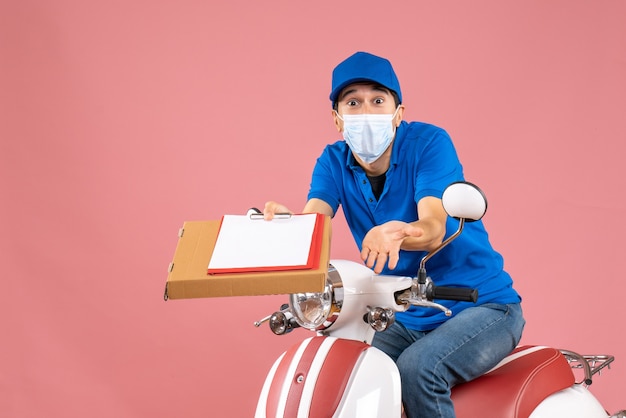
point(243, 242)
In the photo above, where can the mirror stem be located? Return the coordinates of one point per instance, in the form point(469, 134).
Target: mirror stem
point(421, 275)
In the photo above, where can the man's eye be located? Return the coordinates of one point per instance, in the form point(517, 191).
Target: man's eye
point(379, 100)
point(351, 103)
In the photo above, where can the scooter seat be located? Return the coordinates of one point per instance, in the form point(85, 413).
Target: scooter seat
point(515, 387)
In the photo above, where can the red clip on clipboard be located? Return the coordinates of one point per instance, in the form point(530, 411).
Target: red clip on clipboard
point(247, 243)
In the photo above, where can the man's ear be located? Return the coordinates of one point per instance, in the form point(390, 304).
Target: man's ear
point(338, 121)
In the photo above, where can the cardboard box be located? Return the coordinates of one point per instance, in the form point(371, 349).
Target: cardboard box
point(188, 276)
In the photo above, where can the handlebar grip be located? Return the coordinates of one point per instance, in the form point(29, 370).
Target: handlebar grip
point(455, 293)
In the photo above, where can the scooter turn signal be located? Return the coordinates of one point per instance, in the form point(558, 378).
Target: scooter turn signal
point(380, 318)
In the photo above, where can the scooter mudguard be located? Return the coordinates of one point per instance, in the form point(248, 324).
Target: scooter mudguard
point(331, 377)
point(573, 402)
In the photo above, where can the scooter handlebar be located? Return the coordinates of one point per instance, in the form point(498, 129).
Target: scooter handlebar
point(454, 293)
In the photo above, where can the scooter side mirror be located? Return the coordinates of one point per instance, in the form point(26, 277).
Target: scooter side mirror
point(461, 200)
point(464, 200)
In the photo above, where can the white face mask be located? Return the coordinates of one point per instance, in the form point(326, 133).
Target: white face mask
point(368, 135)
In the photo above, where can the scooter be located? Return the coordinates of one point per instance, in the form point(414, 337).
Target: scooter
point(337, 373)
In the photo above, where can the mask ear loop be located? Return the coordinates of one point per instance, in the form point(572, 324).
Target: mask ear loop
point(394, 115)
point(395, 127)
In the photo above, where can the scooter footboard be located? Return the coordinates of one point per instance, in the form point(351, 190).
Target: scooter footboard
point(331, 377)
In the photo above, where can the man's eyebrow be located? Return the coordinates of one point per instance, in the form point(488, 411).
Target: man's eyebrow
point(381, 88)
point(345, 93)
point(377, 87)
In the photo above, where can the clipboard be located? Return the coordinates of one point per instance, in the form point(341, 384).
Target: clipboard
point(248, 243)
point(187, 273)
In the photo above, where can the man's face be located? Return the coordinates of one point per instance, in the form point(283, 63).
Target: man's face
point(370, 98)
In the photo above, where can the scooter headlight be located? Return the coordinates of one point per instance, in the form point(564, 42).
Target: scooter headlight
point(311, 309)
point(318, 311)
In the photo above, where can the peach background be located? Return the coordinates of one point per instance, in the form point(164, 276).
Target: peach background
point(119, 120)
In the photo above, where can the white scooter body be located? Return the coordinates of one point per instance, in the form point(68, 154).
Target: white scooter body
point(373, 384)
point(338, 374)
point(371, 381)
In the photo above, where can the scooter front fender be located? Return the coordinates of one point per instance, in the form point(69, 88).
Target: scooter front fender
point(331, 377)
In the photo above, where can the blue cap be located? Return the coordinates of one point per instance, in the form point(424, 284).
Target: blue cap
point(360, 67)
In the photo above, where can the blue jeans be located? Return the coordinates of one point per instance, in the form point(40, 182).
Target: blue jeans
point(461, 349)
